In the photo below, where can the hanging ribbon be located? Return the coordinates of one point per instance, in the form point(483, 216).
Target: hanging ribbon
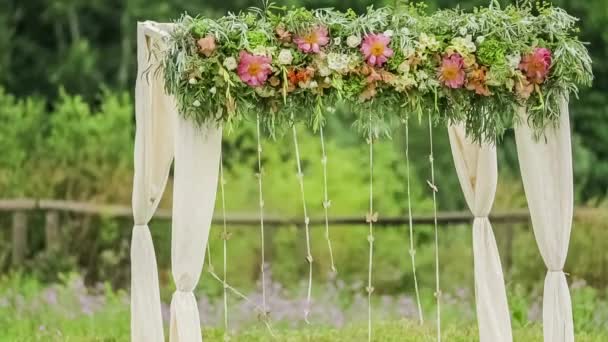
point(309, 260)
point(412, 250)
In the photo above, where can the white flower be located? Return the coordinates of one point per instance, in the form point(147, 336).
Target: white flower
point(404, 67)
point(408, 51)
point(230, 63)
point(463, 45)
point(388, 33)
point(428, 42)
point(324, 70)
point(353, 41)
point(337, 62)
point(421, 75)
point(260, 51)
point(285, 57)
point(480, 39)
point(405, 31)
point(192, 80)
point(513, 60)
point(196, 103)
point(337, 41)
point(463, 31)
point(313, 84)
point(213, 90)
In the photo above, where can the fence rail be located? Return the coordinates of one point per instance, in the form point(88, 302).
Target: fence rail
point(53, 208)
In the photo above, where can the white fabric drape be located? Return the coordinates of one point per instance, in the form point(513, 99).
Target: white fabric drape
point(155, 115)
point(476, 166)
point(546, 170)
point(197, 157)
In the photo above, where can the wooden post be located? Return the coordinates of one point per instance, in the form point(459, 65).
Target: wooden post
point(19, 237)
point(51, 231)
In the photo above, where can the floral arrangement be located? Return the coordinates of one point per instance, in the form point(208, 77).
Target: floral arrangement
point(384, 65)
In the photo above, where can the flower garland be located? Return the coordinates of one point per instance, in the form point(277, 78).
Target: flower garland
point(473, 67)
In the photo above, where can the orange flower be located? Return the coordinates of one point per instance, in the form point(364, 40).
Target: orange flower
point(477, 82)
point(283, 35)
point(297, 76)
point(523, 88)
point(274, 81)
point(206, 45)
point(368, 93)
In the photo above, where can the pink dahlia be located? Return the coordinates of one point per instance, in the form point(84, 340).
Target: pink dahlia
point(536, 65)
point(254, 70)
point(312, 41)
point(375, 49)
point(451, 72)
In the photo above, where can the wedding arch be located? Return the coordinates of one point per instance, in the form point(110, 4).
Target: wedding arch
point(479, 73)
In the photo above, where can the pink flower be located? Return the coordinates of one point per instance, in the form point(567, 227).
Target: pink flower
point(451, 72)
point(536, 65)
point(206, 45)
point(313, 40)
point(253, 70)
point(375, 49)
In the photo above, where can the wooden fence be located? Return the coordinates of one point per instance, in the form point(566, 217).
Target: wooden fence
point(53, 208)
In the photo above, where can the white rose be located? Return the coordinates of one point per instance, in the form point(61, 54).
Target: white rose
point(353, 41)
point(213, 90)
point(313, 84)
point(285, 57)
point(196, 103)
point(192, 80)
point(230, 63)
point(388, 33)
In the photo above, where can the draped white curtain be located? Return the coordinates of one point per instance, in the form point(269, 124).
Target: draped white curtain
point(197, 158)
point(161, 135)
point(155, 121)
point(546, 170)
point(476, 166)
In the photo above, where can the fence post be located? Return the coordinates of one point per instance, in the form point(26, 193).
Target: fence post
point(19, 236)
point(51, 230)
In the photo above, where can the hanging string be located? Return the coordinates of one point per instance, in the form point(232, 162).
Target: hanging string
point(412, 251)
point(326, 201)
point(370, 218)
point(434, 189)
point(225, 237)
point(300, 177)
point(262, 313)
point(259, 177)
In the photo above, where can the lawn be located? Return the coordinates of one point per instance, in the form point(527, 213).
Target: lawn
point(69, 311)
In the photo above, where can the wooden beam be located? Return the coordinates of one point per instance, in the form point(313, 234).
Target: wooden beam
point(251, 219)
point(19, 237)
point(51, 230)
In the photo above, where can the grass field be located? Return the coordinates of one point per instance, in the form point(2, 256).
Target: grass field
point(32, 311)
point(89, 329)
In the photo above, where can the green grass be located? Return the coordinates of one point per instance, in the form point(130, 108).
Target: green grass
point(84, 329)
point(33, 311)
